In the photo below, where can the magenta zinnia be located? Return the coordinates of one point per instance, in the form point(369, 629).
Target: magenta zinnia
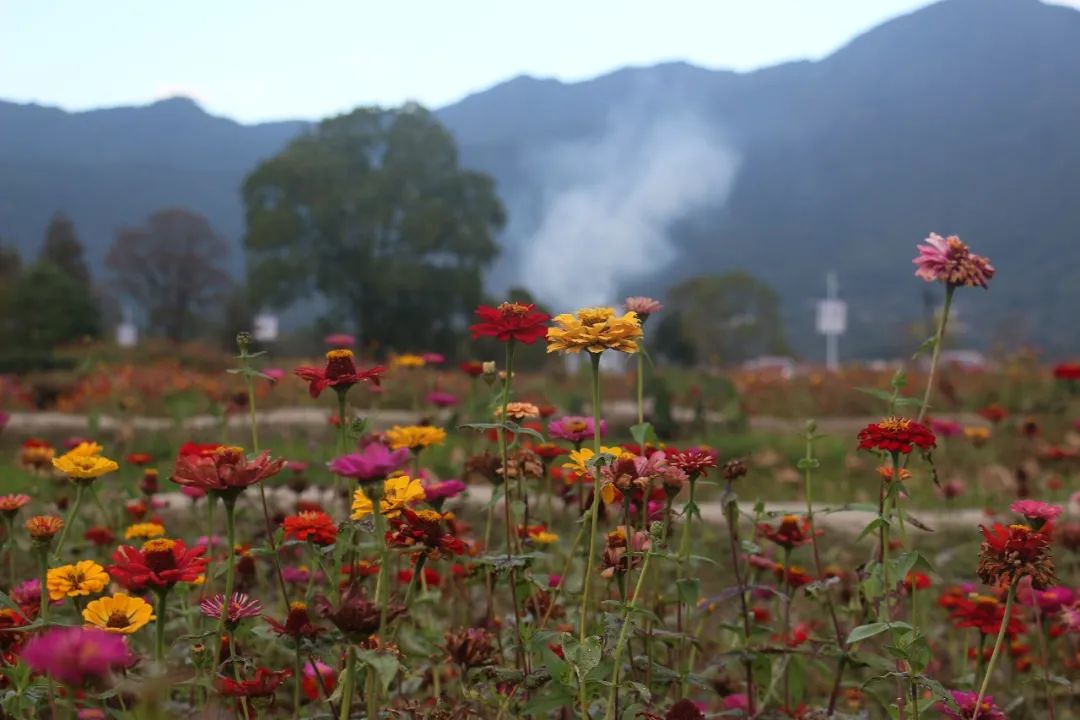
point(241, 607)
point(76, 656)
point(950, 261)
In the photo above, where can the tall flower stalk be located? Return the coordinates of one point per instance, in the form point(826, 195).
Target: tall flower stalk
point(1010, 598)
point(594, 507)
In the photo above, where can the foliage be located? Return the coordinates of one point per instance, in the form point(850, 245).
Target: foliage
point(372, 212)
point(63, 249)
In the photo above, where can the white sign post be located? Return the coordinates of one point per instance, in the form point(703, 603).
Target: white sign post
point(265, 327)
point(832, 321)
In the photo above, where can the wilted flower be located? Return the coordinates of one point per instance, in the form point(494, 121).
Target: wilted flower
point(340, 373)
point(791, 532)
point(313, 525)
point(1010, 553)
point(896, 435)
point(734, 469)
point(595, 330)
point(470, 647)
point(374, 461)
point(355, 616)
point(510, 321)
point(121, 613)
point(225, 473)
point(159, 564)
point(76, 656)
point(575, 428)
point(617, 558)
point(948, 260)
point(414, 437)
point(965, 702)
point(82, 578)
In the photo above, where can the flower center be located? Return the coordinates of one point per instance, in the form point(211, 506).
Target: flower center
point(118, 619)
point(593, 316)
point(895, 424)
point(513, 308)
point(159, 554)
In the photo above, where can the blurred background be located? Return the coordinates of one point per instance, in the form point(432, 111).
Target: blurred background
point(174, 174)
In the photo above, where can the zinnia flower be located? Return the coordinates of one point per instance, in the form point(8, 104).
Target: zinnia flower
point(144, 530)
point(76, 656)
point(36, 455)
point(339, 340)
point(159, 564)
point(121, 613)
point(374, 461)
point(408, 360)
point(264, 684)
point(414, 437)
point(11, 504)
point(138, 459)
point(316, 526)
point(896, 435)
point(950, 261)
point(510, 321)
point(1037, 513)
point(226, 473)
point(643, 306)
point(397, 493)
point(791, 532)
point(81, 466)
point(43, 528)
point(575, 428)
point(82, 578)
point(340, 373)
point(426, 531)
point(595, 330)
point(1010, 553)
point(318, 678)
point(965, 703)
point(355, 616)
point(695, 462)
point(470, 647)
point(519, 411)
point(442, 399)
point(241, 607)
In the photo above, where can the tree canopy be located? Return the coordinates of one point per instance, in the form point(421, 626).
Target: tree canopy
point(372, 213)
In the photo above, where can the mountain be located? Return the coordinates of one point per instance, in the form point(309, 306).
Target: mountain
point(957, 118)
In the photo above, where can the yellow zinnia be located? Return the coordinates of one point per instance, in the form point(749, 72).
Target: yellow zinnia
point(79, 464)
point(397, 493)
point(144, 530)
point(414, 437)
point(595, 330)
point(118, 614)
point(82, 578)
point(89, 449)
point(579, 459)
point(408, 360)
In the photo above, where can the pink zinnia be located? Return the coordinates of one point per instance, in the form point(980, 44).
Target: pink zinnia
point(575, 428)
point(950, 261)
point(443, 490)
point(441, 399)
point(1035, 512)
point(226, 473)
point(241, 607)
point(1050, 600)
point(338, 341)
point(374, 461)
point(643, 306)
point(945, 428)
point(433, 358)
point(275, 374)
point(75, 655)
point(965, 701)
point(1070, 617)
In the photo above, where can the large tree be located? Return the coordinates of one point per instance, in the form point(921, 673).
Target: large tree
point(63, 249)
point(721, 319)
point(172, 268)
point(372, 212)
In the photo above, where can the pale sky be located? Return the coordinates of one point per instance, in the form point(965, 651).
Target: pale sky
point(259, 60)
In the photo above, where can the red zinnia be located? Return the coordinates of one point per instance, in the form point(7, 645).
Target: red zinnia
point(264, 684)
point(190, 449)
point(138, 459)
point(472, 368)
point(511, 321)
point(316, 526)
point(340, 373)
point(792, 531)
point(227, 472)
point(1010, 553)
point(424, 530)
point(1067, 371)
point(984, 613)
point(100, 535)
point(160, 563)
point(297, 623)
point(896, 435)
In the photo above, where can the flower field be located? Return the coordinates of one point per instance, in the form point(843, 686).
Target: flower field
point(484, 541)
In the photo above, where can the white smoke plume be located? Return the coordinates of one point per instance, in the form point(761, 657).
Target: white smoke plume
point(610, 203)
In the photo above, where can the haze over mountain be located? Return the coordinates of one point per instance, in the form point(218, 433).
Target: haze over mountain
point(959, 118)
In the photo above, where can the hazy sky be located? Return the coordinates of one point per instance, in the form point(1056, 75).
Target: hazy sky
point(271, 59)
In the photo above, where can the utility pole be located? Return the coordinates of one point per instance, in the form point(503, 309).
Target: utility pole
point(832, 320)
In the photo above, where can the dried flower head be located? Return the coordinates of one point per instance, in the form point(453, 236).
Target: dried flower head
point(1010, 553)
point(948, 260)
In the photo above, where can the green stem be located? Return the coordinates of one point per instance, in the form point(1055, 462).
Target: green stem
point(997, 647)
point(43, 571)
point(347, 684)
point(380, 585)
point(732, 508)
point(938, 338)
point(640, 386)
point(620, 645)
point(298, 674)
point(159, 625)
point(594, 508)
point(787, 623)
point(72, 514)
point(230, 570)
point(11, 548)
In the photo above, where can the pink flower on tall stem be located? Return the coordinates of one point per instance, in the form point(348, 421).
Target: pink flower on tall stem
point(241, 607)
point(575, 428)
point(76, 656)
point(373, 462)
point(1036, 512)
point(643, 306)
point(950, 261)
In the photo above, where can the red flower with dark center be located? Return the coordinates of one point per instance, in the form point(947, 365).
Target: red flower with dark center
point(795, 575)
point(340, 373)
point(100, 535)
point(994, 413)
point(695, 462)
point(226, 473)
point(316, 526)
point(425, 531)
point(264, 684)
point(297, 623)
point(356, 616)
point(1010, 553)
point(511, 321)
point(160, 563)
point(792, 531)
point(548, 451)
point(896, 435)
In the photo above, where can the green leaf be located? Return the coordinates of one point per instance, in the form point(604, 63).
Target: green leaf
point(864, 632)
point(587, 656)
point(871, 526)
point(385, 666)
point(688, 590)
point(643, 434)
point(808, 463)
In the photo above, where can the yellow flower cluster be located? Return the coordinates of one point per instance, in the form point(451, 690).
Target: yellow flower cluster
point(414, 437)
point(85, 462)
point(397, 493)
point(82, 578)
point(595, 330)
point(120, 613)
point(144, 530)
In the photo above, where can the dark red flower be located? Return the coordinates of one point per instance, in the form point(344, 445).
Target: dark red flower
point(160, 563)
point(297, 623)
point(472, 368)
point(792, 531)
point(138, 459)
point(896, 435)
point(100, 535)
point(356, 616)
point(313, 525)
point(264, 684)
point(340, 373)
point(1067, 371)
point(511, 321)
point(1010, 553)
point(190, 449)
point(426, 531)
point(984, 613)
